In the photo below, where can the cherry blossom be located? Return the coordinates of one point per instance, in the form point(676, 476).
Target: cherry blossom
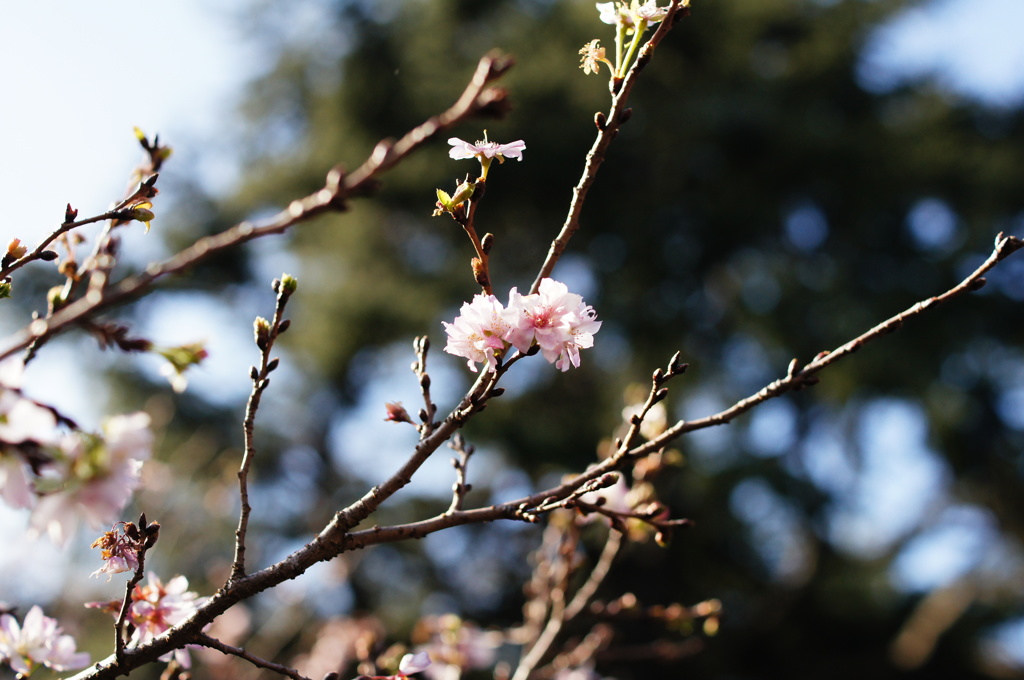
point(25, 428)
point(613, 13)
point(410, 663)
point(557, 320)
point(456, 646)
point(592, 53)
point(15, 485)
point(478, 333)
point(119, 549)
point(554, 319)
point(95, 477)
point(632, 14)
point(38, 641)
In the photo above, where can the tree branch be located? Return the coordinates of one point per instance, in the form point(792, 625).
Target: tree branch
point(477, 98)
point(607, 129)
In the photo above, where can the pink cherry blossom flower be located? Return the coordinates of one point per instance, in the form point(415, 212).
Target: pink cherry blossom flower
point(478, 333)
point(156, 608)
point(15, 485)
point(95, 479)
point(38, 641)
point(557, 320)
point(485, 149)
point(119, 549)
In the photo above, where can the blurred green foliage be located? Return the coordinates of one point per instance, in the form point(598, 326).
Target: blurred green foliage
point(761, 204)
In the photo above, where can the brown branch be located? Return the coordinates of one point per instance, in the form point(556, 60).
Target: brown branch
point(336, 538)
point(213, 643)
point(421, 346)
point(607, 129)
point(797, 379)
point(266, 335)
point(477, 98)
point(39, 253)
point(560, 616)
point(461, 486)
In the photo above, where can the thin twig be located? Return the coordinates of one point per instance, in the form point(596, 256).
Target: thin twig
point(461, 486)
point(38, 252)
point(337, 538)
point(266, 335)
point(421, 346)
point(607, 129)
point(657, 393)
point(560, 616)
point(213, 643)
point(126, 603)
point(797, 379)
point(476, 98)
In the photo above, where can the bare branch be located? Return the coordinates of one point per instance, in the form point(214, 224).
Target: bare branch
point(266, 335)
point(213, 643)
point(560, 616)
point(797, 379)
point(607, 129)
point(477, 98)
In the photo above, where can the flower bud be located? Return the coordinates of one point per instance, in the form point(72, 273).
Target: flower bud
point(463, 193)
point(289, 284)
point(396, 412)
point(15, 249)
point(261, 332)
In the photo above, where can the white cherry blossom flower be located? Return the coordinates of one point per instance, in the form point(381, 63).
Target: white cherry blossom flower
point(413, 663)
point(485, 149)
point(37, 641)
point(648, 11)
point(611, 12)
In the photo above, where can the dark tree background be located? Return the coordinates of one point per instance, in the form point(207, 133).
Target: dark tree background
point(762, 204)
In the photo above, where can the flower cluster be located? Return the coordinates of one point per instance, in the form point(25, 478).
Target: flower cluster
point(37, 641)
point(630, 19)
point(155, 608)
point(555, 320)
point(65, 475)
point(631, 15)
